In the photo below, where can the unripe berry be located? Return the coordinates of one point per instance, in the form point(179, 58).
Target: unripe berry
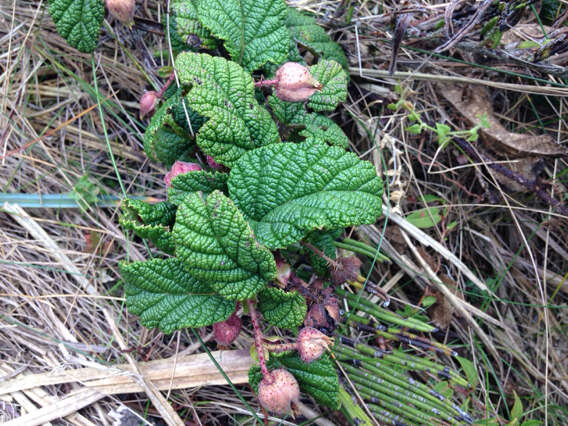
point(179, 168)
point(226, 332)
point(312, 344)
point(148, 103)
point(123, 10)
point(294, 83)
point(277, 392)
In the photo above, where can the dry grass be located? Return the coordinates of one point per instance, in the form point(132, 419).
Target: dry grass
point(59, 309)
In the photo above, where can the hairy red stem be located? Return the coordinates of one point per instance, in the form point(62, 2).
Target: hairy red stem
point(258, 341)
point(281, 347)
point(166, 85)
point(265, 83)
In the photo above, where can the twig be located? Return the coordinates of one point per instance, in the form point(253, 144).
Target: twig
point(505, 171)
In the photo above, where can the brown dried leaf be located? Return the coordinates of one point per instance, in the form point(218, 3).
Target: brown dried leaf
point(472, 104)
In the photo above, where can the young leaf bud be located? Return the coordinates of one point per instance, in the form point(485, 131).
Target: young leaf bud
point(278, 391)
point(148, 103)
point(179, 168)
point(226, 332)
point(312, 344)
point(295, 83)
point(123, 10)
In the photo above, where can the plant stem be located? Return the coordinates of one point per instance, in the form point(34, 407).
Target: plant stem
point(282, 347)
point(265, 83)
point(258, 341)
point(166, 85)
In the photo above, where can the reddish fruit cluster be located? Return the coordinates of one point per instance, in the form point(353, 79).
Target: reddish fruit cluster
point(180, 167)
point(278, 391)
point(226, 332)
point(312, 343)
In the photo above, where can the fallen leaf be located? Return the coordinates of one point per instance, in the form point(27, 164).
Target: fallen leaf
point(473, 104)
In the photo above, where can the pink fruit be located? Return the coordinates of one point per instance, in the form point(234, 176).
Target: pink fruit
point(123, 10)
point(227, 331)
point(294, 83)
point(179, 168)
point(277, 392)
point(312, 343)
point(148, 103)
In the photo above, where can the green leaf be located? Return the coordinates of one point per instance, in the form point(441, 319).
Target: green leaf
point(254, 30)
point(317, 127)
point(334, 80)
point(317, 378)
point(217, 246)
point(165, 140)
point(322, 128)
point(324, 242)
point(469, 370)
point(164, 295)
point(305, 31)
point(287, 190)
point(78, 21)
point(197, 180)
point(415, 129)
point(186, 32)
point(162, 213)
point(282, 309)
point(425, 218)
point(287, 112)
point(517, 410)
point(150, 221)
point(222, 91)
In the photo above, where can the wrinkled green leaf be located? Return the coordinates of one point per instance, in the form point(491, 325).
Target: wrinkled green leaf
point(150, 221)
point(217, 246)
point(305, 31)
point(164, 295)
point(334, 80)
point(165, 140)
point(254, 30)
point(198, 180)
point(78, 21)
point(222, 91)
point(282, 309)
point(317, 127)
point(322, 128)
point(287, 190)
point(186, 32)
point(317, 378)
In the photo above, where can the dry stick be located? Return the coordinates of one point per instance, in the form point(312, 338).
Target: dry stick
point(505, 171)
point(463, 31)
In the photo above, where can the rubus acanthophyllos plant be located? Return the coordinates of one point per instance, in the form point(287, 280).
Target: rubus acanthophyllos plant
point(260, 188)
point(281, 178)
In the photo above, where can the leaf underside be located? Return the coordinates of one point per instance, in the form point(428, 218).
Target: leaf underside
point(164, 295)
point(222, 91)
point(282, 309)
point(217, 246)
point(78, 21)
point(287, 190)
point(305, 30)
point(254, 30)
